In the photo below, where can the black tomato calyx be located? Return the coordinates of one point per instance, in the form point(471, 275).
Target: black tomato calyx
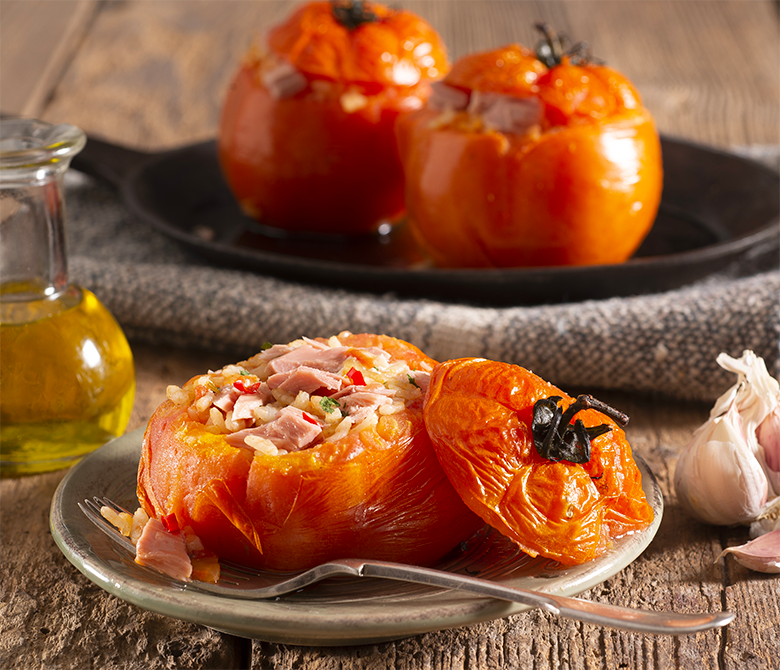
point(352, 13)
point(556, 438)
point(554, 47)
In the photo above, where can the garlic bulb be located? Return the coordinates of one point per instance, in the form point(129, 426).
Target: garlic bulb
point(717, 479)
point(728, 473)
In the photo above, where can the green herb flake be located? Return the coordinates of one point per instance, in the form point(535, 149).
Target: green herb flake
point(329, 405)
point(412, 382)
point(265, 345)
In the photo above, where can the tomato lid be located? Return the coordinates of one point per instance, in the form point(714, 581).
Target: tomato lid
point(360, 42)
point(482, 419)
point(510, 70)
point(571, 86)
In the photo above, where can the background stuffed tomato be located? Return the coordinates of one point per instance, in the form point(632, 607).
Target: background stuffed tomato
point(575, 180)
point(306, 139)
point(380, 493)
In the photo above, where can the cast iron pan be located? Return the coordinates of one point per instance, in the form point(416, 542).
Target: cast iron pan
point(717, 210)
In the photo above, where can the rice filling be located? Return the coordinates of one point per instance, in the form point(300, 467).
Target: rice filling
point(296, 396)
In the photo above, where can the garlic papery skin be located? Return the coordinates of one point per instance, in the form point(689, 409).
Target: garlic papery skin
point(718, 479)
point(761, 554)
point(756, 391)
point(756, 396)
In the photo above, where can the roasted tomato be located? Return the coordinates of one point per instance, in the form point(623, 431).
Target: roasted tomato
point(272, 475)
point(306, 139)
point(567, 505)
point(519, 162)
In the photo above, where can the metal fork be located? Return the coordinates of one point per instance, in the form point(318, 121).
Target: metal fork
point(643, 621)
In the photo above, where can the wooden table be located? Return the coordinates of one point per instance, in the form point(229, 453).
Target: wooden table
point(152, 74)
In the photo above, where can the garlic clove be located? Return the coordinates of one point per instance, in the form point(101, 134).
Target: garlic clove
point(768, 436)
point(718, 480)
point(761, 554)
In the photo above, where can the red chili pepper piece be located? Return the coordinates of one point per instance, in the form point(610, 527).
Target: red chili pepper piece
point(356, 377)
point(242, 386)
point(310, 419)
point(170, 523)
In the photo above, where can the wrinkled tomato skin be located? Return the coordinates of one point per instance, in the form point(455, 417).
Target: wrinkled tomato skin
point(377, 494)
point(478, 414)
point(583, 195)
point(305, 165)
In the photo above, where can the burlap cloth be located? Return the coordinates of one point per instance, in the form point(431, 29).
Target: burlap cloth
point(665, 343)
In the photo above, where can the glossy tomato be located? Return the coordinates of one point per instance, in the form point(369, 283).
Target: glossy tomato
point(515, 162)
point(306, 139)
point(479, 415)
point(377, 493)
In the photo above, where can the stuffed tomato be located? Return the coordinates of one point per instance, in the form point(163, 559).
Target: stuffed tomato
point(306, 139)
point(306, 452)
point(519, 162)
point(554, 474)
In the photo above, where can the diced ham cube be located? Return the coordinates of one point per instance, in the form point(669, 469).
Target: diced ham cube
point(163, 551)
point(447, 97)
point(315, 343)
point(226, 398)
point(360, 404)
point(247, 402)
point(506, 113)
point(330, 359)
point(422, 379)
point(375, 388)
point(304, 378)
point(272, 352)
point(291, 430)
point(283, 81)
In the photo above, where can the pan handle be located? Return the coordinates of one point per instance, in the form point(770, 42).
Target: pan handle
point(110, 162)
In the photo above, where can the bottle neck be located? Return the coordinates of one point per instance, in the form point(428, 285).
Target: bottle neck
point(34, 157)
point(33, 257)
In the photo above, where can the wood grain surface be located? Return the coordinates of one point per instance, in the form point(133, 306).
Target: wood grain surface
point(151, 74)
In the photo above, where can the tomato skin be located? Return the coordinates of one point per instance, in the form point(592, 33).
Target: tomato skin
point(304, 164)
point(478, 414)
point(581, 188)
point(309, 162)
point(378, 494)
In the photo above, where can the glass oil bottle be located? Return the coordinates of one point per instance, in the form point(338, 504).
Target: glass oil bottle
point(67, 379)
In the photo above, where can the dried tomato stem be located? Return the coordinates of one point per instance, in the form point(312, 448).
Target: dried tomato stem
point(352, 13)
point(555, 47)
point(586, 401)
point(557, 439)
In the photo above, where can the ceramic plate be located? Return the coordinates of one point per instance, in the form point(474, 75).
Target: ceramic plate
point(337, 612)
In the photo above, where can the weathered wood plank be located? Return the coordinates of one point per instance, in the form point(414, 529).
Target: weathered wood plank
point(37, 40)
point(153, 74)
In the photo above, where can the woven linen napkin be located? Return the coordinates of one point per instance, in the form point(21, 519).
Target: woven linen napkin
point(665, 343)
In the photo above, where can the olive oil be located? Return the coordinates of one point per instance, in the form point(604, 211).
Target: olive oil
point(67, 381)
point(67, 378)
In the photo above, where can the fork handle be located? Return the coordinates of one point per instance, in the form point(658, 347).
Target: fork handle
point(603, 614)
